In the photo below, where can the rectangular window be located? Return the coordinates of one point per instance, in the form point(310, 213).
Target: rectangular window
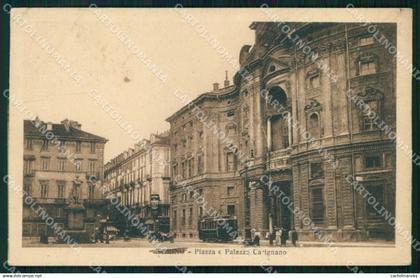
point(200, 211)
point(174, 220)
point(44, 190)
point(61, 189)
point(231, 210)
point(92, 166)
point(377, 191)
point(367, 66)
point(183, 169)
point(27, 167)
point(45, 163)
point(317, 206)
point(200, 165)
point(92, 147)
point(190, 216)
point(230, 162)
point(27, 187)
point(365, 41)
point(183, 217)
point(78, 147)
point(373, 161)
point(230, 190)
point(368, 121)
point(61, 164)
point(317, 171)
point(44, 145)
point(28, 144)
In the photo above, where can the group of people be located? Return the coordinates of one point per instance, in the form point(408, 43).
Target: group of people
point(278, 237)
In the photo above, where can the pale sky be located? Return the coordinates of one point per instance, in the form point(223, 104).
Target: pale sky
point(107, 66)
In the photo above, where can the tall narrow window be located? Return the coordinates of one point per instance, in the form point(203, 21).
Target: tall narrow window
point(78, 147)
point(28, 187)
point(230, 162)
point(92, 147)
point(200, 165)
point(92, 166)
point(27, 167)
point(61, 164)
point(314, 128)
point(44, 190)
point(183, 217)
point(62, 146)
point(367, 65)
point(45, 163)
point(190, 218)
point(60, 189)
point(369, 114)
point(317, 205)
point(28, 144)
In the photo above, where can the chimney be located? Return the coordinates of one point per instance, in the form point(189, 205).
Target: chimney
point(49, 125)
point(226, 83)
point(215, 86)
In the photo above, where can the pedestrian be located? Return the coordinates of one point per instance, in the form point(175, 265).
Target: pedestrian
point(294, 237)
point(257, 237)
point(278, 236)
point(283, 236)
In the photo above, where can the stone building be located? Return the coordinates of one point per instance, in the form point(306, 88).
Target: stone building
point(295, 124)
point(61, 160)
point(200, 158)
point(138, 175)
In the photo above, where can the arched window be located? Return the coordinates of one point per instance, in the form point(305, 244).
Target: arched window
point(277, 97)
point(314, 128)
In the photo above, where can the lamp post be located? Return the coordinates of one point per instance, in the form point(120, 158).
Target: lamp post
point(247, 229)
point(154, 204)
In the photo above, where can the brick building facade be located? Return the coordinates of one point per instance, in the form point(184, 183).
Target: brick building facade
point(225, 142)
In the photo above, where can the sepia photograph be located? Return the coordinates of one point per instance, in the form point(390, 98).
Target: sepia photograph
point(186, 137)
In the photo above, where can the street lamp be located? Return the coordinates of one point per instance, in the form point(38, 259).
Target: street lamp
point(154, 204)
point(247, 229)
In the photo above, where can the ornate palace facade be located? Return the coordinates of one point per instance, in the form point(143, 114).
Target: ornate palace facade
point(291, 119)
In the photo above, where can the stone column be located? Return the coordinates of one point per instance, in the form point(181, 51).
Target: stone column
point(269, 134)
point(289, 127)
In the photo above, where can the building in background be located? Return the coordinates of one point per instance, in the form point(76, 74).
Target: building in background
point(203, 161)
point(61, 160)
point(234, 145)
point(137, 177)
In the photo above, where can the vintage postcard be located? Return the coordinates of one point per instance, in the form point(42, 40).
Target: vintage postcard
point(187, 137)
